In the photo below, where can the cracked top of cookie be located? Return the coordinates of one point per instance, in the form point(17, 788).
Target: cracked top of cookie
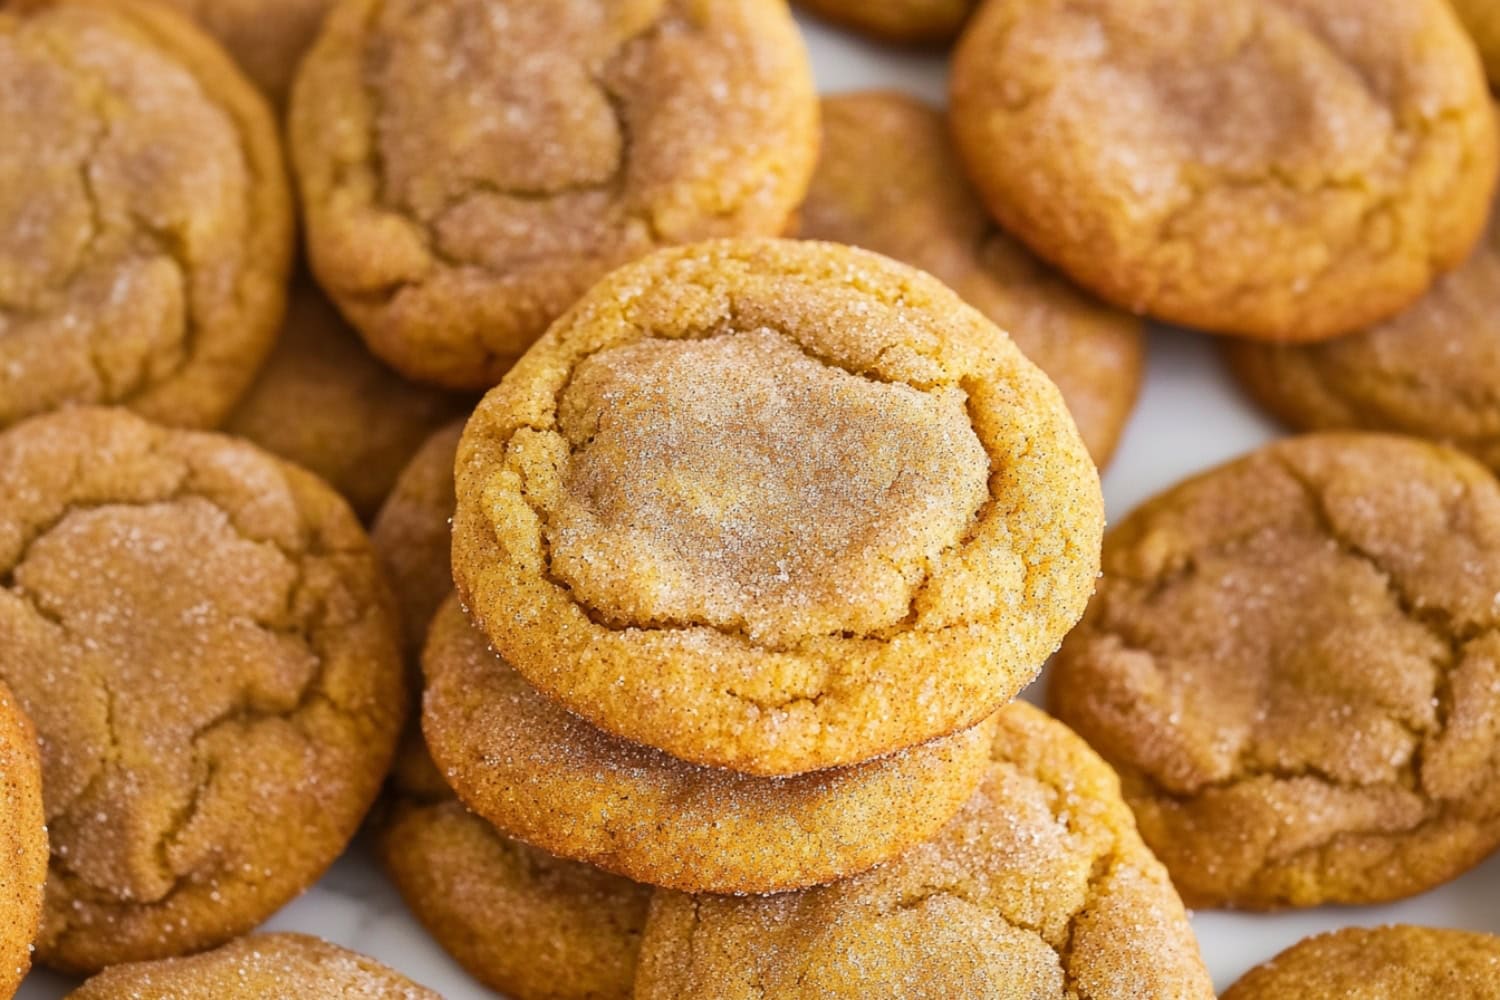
point(1294, 660)
point(201, 637)
point(1040, 887)
point(145, 221)
point(1357, 165)
point(23, 841)
point(1389, 963)
point(469, 167)
point(775, 506)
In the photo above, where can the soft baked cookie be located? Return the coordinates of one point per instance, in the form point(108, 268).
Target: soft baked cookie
point(1288, 170)
point(1040, 888)
point(1482, 18)
point(266, 37)
point(775, 506)
point(1384, 963)
point(1433, 371)
point(324, 402)
point(550, 779)
point(23, 843)
point(911, 202)
point(202, 637)
point(411, 534)
point(1294, 662)
point(468, 168)
point(145, 221)
point(913, 22)
point(532, 926)
point(258, 967)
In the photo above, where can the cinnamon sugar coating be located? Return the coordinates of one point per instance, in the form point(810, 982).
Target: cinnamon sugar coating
point(552, 780)
point(915, 22)
point(145, 220)
point(202, 638)
point(1294, 663)
point(1358, 163)
point(23, 842)
point(468, 168)
point(1039, 888)
point(1382, 963)
point(266, 37)
point(881, 550)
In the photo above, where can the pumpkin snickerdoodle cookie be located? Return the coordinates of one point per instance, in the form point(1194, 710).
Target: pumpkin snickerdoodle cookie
point(470, 167)
point(324, 402)
point(913, 22)
point(524, 923)
point(258, 967)
point(145, 221)
point(23, 843)
point(1433, 371)
point(202, 638)
point(550, 779)
point(1357, 165)
point(775, 506)
point(911, 202)
point(1294, 663)
point(1039, 888)
point(1384, 963)
point(266, 37)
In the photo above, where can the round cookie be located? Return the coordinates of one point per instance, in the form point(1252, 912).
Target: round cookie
point(254, 968)
point(411, 534)
point(550, 779)
point(468, 168)
point(907, 22)
point(324, 402)
point(23, 843)
point(1433, 372)
point(912, 203)
point(1384, 963)
point(266, 37)
point(1287, 170)
point(775, 506)
point(201, 635)
point(1039, 888)
point(145, 220)
point(524, 923)
point(1482, 18)
point(1294, 663)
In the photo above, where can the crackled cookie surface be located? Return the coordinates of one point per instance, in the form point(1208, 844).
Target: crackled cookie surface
point(202, 639)
point(254, 968)
point(775, 506)
point(1433, 371)
point(23, 842)
point(324, 402)
point(918, 22)
point(1357, 166)
point(550, 779)
point(1294, 662)
point(145, 222)
point(525, 923)
point(1039, 888)
point(470, 167)
point(1383, 963)
point(266, 37)
point(912, 202)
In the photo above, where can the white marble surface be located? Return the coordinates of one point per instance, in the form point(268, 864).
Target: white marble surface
point(1190, 417)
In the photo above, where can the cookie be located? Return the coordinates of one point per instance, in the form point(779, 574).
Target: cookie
point(1433, 372)
point(468, 168)
point(324, 402)
point(1294, 663)
point(775, 506)
point(1286, 170)
point(23, 843)
point(524, 923)
point(145, 220)
point(550, 779)
point(1039, 888)
point(908, 22)
point(1482, 18)
point(1384, 963)
point(912, 203)
point(202, 637)
point(257, 967)
point(412, 530)
point(266, 37)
